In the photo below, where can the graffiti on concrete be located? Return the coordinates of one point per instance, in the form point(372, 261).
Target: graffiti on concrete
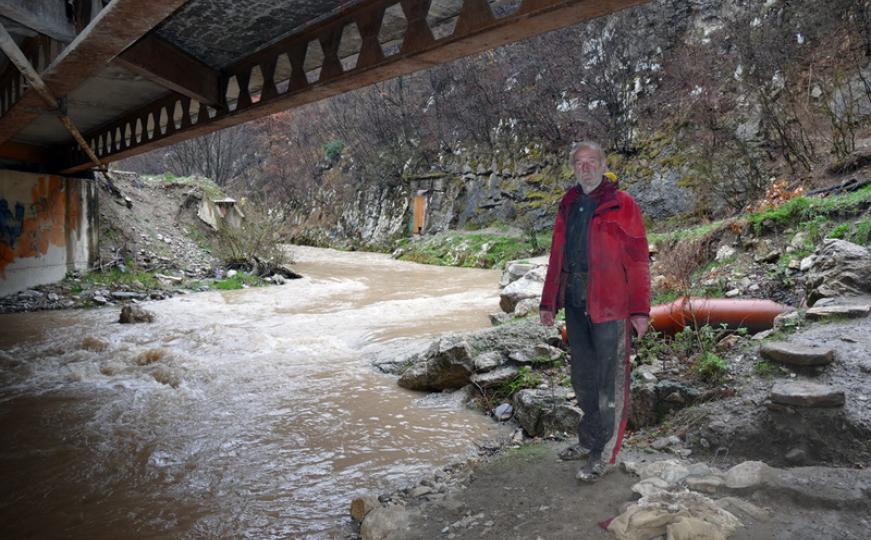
point(52, 217)
point(10, 224)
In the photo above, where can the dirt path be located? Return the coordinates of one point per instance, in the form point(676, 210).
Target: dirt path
point(526, 493)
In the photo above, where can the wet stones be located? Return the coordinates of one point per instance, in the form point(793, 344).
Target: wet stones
point(385, 524)
point(527, 287)
point(806, 394)
point(543, 412)
point(839, 268)
point(487, 361)
point(797, 355)
point(448, 364)
point(497, 377)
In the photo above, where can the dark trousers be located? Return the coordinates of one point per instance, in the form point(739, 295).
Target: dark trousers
point(600, 379)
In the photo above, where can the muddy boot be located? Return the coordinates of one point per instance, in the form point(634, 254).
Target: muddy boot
point(575, 452)
point(593, 469)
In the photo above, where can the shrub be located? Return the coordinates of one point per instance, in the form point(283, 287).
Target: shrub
point(711, 368)
point(333, 149)
point(256, 245)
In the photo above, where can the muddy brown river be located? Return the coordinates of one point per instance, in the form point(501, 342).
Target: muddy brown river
point(250, 413)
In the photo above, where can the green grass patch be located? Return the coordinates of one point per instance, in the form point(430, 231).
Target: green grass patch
point(472, 250)
point(115, 277)
point(209, 188)
point(807, 210)
point(665, 297)
point(688, 233)
point(711, 367)
point(861, 232)
point(238, 281)
point(765, 369)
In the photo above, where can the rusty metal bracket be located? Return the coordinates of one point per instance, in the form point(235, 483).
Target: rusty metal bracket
point(18, 58)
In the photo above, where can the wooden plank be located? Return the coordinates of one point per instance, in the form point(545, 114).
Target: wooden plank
point(117, 26)
point(165, 64)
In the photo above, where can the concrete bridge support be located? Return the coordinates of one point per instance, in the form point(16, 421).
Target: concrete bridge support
point(48, 227)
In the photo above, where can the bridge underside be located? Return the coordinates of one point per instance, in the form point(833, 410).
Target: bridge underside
point(136, 75)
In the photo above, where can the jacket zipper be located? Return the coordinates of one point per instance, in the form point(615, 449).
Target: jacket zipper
point(596, 212)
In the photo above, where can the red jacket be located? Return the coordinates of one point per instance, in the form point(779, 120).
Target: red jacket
point(618, 284)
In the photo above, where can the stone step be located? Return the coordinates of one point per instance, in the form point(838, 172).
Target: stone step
point(797, 355)
point(850, 311)
point(807, 394)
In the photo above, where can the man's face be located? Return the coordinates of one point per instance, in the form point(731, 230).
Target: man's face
point(588, 168)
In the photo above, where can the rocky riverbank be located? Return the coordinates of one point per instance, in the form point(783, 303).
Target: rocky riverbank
point(745, 450)
point(154, 244)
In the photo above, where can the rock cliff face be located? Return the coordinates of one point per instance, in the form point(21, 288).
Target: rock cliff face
point(640, 61)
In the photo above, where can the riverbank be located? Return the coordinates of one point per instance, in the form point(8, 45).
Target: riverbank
point(819, 453)
point(159, 237)
point(796, 397)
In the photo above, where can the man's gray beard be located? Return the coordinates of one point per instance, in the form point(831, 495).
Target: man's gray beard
point(595, 180)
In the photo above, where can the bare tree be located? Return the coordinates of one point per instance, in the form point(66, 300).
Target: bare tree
point(221, 156)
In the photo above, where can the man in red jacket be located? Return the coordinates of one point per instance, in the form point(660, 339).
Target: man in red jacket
point(599, 271)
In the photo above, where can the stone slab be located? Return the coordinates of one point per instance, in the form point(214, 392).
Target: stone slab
point(849, 311)
point(807, 394)
point(797, 355)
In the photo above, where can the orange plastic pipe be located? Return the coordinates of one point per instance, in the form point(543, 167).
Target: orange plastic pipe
point(754, 315)
point(669, 319)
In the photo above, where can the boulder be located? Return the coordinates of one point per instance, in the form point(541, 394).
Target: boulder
point(497, 377)
point(385, 524)
point(529, 286)
point(797, 355)
point(840, 268)
point(131, 313)
point(487, 361)
point(807, 394)
point(746, 475)
point(543, 412)
point(515, 270)
point(446, 365)
point(361, 506)
point(526, 307)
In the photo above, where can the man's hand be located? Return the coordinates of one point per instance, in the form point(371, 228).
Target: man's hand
point(640, 323)
point(546, 317)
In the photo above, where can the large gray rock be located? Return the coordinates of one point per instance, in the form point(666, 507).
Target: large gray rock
point(840, 268)
point(497, 377)
point(385, 524)
point(797, 355)
point(543, 412)
point(662, 196)
point(529, 286)
point(487, 361)
point(514, 270)
point(447, 364)
point(806, 394)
